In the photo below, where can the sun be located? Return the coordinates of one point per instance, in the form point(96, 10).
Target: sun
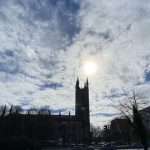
point(90, 68)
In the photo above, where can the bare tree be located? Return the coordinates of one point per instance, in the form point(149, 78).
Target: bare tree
point(97, 133)
point(129, 107)
point(17, 109)
point(96, 130)
point(33, 111)
point(44, 110)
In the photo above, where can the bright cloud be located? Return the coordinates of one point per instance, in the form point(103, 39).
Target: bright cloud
point(44, 45)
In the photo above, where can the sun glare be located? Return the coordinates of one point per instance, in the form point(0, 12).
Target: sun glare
point(90, 68)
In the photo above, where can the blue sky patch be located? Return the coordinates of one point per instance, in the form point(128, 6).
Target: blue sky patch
point(8, 62)
point(56, 111)
point(105, 114)
point(147, 76)
point(52, 85)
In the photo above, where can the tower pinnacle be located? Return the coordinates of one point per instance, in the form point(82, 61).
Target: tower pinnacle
point(77, 82)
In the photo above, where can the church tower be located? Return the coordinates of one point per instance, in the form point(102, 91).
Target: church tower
point(82, 108)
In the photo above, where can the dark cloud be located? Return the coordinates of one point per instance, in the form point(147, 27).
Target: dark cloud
point(51, 86)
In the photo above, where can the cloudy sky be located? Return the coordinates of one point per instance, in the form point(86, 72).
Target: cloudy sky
point(44, 44)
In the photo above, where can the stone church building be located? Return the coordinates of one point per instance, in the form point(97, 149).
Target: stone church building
point(60, 128)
